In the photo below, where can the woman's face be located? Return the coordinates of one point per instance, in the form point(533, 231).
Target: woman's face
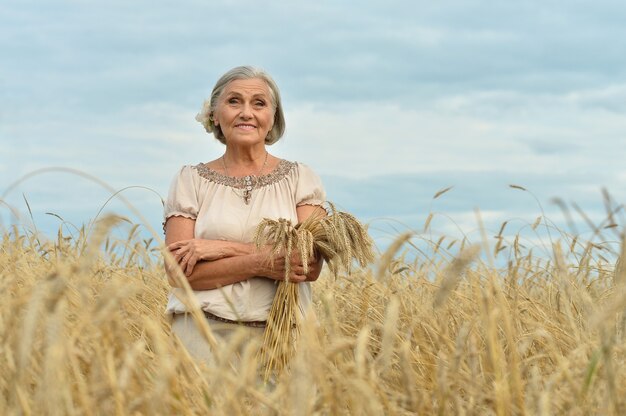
point(244, 111)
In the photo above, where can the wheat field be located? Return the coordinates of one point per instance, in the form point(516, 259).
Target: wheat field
point(452, 331)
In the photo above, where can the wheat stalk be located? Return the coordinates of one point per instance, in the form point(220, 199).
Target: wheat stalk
point(82, 330)
point(339, 238)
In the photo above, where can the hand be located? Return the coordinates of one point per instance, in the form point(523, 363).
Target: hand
point(276, 270)
point(189, 252)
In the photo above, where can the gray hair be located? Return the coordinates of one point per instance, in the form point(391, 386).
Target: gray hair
point(205, 116)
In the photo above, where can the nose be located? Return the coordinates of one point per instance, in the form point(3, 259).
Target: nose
point(246, 111)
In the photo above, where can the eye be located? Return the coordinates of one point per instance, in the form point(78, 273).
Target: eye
point(260, 103)
point(233, 101)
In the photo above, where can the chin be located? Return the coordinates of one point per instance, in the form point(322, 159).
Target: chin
point(246, 140)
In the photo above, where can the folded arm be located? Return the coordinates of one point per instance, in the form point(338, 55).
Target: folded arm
point(209, 264)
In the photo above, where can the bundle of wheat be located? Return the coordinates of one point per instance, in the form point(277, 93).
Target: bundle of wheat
point(339, 238)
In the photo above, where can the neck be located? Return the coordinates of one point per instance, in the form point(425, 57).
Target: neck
point(244, 155)
point(247, 161)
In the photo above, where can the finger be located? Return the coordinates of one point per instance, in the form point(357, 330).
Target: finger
point(184, 261)
point(313, 264)
point(179, 245)
point(181, 253)
point(179, 257)
point(287, 278)
point(278, 264)
point(299, 270)
point(296, 257)
point(297, 278)
point(176, 245)
point(295, 264)
point(189, 269)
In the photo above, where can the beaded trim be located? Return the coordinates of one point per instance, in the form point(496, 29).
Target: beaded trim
point(283, 168)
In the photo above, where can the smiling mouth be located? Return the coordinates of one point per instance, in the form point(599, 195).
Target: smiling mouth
point(246, 126)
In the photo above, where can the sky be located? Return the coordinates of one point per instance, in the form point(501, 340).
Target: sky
point(390, 102)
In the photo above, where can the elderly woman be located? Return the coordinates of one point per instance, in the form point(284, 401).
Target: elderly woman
point(213, 209)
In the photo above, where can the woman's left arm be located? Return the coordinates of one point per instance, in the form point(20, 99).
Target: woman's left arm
point(316, 263)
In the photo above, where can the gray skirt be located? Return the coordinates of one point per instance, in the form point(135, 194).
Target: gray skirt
point(232, 338)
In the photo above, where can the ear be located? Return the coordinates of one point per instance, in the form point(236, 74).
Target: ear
point(214, 119)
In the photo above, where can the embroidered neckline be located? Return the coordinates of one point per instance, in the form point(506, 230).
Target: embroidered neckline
point(279, 172)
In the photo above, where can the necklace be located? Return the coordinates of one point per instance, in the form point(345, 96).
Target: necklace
point(248, 186)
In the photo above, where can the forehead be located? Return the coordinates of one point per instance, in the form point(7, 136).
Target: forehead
point(252, 86)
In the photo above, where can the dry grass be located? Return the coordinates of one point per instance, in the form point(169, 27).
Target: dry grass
point(82, 331)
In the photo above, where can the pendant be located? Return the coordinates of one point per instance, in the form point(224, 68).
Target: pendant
point(247, 192)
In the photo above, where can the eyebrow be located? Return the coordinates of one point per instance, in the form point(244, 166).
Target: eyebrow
point(235, 93)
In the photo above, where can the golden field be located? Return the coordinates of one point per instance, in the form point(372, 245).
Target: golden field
point(82, 331)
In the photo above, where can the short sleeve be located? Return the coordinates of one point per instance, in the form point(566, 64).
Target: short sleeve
point(309, 190)
point(182, 199)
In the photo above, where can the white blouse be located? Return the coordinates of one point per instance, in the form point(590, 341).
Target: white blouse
point(217, 204)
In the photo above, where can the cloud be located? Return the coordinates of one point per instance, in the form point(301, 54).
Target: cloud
point(480, 135)
point(393, 99)
point(145, 52)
